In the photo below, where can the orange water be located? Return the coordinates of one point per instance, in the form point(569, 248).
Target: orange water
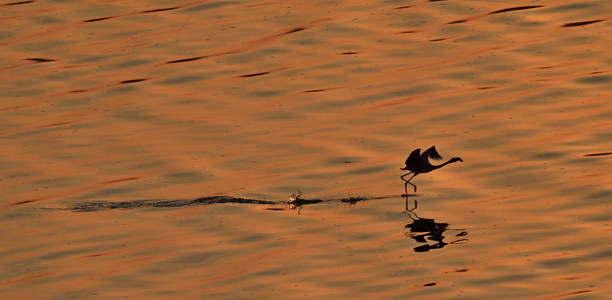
point(119, 101)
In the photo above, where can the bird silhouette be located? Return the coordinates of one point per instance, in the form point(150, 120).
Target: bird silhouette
point(418, 163)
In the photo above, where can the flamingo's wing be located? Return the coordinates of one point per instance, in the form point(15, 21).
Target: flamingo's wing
point(431, 153)
point(414, 157)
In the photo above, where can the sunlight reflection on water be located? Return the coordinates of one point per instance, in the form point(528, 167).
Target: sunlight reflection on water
point(149, 151)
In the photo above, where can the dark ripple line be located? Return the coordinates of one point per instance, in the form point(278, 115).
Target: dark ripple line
point(24, 202)
point(598, 154)
point(255, 74)
point(294, 30)
point(578, 292)
point(514, 9)
point(200, 57)
point(133, 80)
point(18, 3)
point(159, 9)
point(582, 23)
point(185, 59)
point(97, 19)
point(40, 60)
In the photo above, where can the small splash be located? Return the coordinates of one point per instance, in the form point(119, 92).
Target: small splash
point(296, 197)
point(352, 200)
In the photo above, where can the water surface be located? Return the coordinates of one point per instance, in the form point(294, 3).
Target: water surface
point(168, 102)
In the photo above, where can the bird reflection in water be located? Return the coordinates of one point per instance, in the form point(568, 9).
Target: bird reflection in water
point(428, 231)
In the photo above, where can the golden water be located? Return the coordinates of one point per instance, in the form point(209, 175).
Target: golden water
point(122, 101)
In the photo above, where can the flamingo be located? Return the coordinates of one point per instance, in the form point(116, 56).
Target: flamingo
point(418, 163)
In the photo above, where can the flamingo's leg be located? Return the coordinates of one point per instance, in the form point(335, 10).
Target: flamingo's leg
point(408, 181)
point(402, 177)
point(412, 185)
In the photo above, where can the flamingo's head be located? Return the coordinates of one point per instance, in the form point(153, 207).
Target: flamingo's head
point(454, 159)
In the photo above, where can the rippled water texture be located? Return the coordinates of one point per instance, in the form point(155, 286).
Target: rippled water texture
point(149, 150)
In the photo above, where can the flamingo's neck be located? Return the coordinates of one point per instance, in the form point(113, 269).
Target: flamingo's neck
point(450, 161)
